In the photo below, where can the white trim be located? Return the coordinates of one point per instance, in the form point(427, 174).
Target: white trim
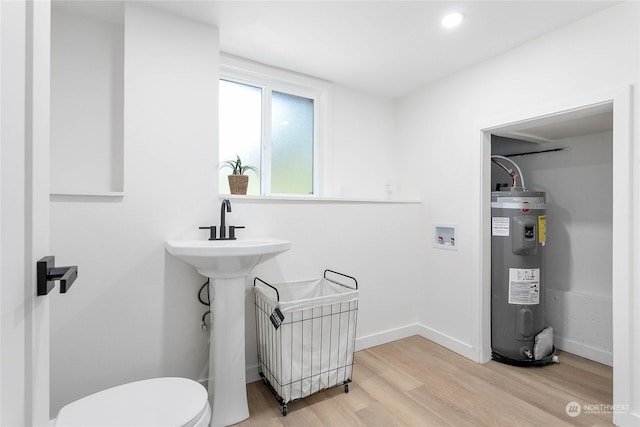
point(265, 155)
point(623, 226)
point(312, 199)
point(37, 207)
point(592, 353)
point(1, 211)
point(274, 79)
point(622, 264)
point(25, 87)
point(88, 193)
point(437, 337)
point(630, 419)
point(481, 258)
point(390, 335)
point(451, 343)
point(251, 375)
point(362, 343)
point(387, 336)
point(235, 66)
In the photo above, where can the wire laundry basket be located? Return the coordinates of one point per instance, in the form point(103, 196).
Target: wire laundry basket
point(306, 334)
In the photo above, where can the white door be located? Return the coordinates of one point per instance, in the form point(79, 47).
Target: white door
point(24, 211)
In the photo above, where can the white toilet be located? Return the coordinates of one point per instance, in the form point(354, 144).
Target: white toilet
point(175, 402)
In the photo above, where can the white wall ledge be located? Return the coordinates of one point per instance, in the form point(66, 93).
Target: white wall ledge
point(85, 196)
point(314, 199)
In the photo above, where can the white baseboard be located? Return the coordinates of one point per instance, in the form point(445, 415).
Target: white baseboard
point(583, 350)
point(452, 344)
point(626, 419)
point(252, 374)
point(362, 343)
point(390, 335)
point(417, 329)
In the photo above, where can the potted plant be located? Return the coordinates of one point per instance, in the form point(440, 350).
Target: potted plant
point(238, 181)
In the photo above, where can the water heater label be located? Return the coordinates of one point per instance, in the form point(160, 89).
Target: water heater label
point(500, 226)
point(524, 286)
point(542, 229)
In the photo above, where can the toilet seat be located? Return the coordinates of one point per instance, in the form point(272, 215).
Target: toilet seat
point(170, 402)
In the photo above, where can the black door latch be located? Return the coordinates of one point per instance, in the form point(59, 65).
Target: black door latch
point(47, 274)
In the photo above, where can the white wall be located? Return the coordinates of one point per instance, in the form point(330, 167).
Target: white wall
point(376, 242)
point(578, 183)
point(441, 126)
point(363, 160)
point(121, 321)
point(86, 102)
point(133, 311)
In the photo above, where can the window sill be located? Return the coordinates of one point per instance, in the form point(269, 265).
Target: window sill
point(314, 199)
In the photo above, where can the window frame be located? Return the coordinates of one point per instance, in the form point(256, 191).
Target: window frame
point(270, 79)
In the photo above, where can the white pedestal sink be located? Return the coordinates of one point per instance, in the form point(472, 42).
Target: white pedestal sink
point(227, 263)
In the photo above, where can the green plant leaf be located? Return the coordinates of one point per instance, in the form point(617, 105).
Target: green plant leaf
point(237, 167)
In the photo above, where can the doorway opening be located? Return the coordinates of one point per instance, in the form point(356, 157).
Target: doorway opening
point(577, 123)
point(571, 161)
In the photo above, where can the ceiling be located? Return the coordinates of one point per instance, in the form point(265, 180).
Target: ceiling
point(388, 48)
point(543, 132)
point(566, 127)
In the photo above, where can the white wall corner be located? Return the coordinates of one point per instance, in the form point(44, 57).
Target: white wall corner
point(384, 337)
point(387, 336)
point(252, 374)
point(451, 343)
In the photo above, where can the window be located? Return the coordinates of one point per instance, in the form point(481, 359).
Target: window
point(275, 124)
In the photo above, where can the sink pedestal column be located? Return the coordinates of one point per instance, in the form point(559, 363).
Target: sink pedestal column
point(227, 371)
point(227, 263)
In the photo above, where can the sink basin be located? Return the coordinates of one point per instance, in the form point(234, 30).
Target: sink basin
point(226, 258)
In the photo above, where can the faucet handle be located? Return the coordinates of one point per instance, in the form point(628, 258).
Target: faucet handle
point(212, 234)
point(232, 231)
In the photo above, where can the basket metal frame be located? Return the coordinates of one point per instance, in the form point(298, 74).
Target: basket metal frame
point(342, 315)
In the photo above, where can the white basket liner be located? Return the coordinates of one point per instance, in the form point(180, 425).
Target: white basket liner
point(313, 348)
point(295, 296)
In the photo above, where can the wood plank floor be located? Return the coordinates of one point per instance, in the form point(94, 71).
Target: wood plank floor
point(415, 382)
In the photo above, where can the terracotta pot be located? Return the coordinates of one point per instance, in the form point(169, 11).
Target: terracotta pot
point(238, 184)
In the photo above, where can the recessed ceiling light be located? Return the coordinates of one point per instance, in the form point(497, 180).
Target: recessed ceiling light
point(452, 20)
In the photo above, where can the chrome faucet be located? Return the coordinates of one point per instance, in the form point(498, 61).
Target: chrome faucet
point(223, 229)
point(224, 208)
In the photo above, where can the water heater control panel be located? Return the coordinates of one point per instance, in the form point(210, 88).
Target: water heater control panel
point(524, 233)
